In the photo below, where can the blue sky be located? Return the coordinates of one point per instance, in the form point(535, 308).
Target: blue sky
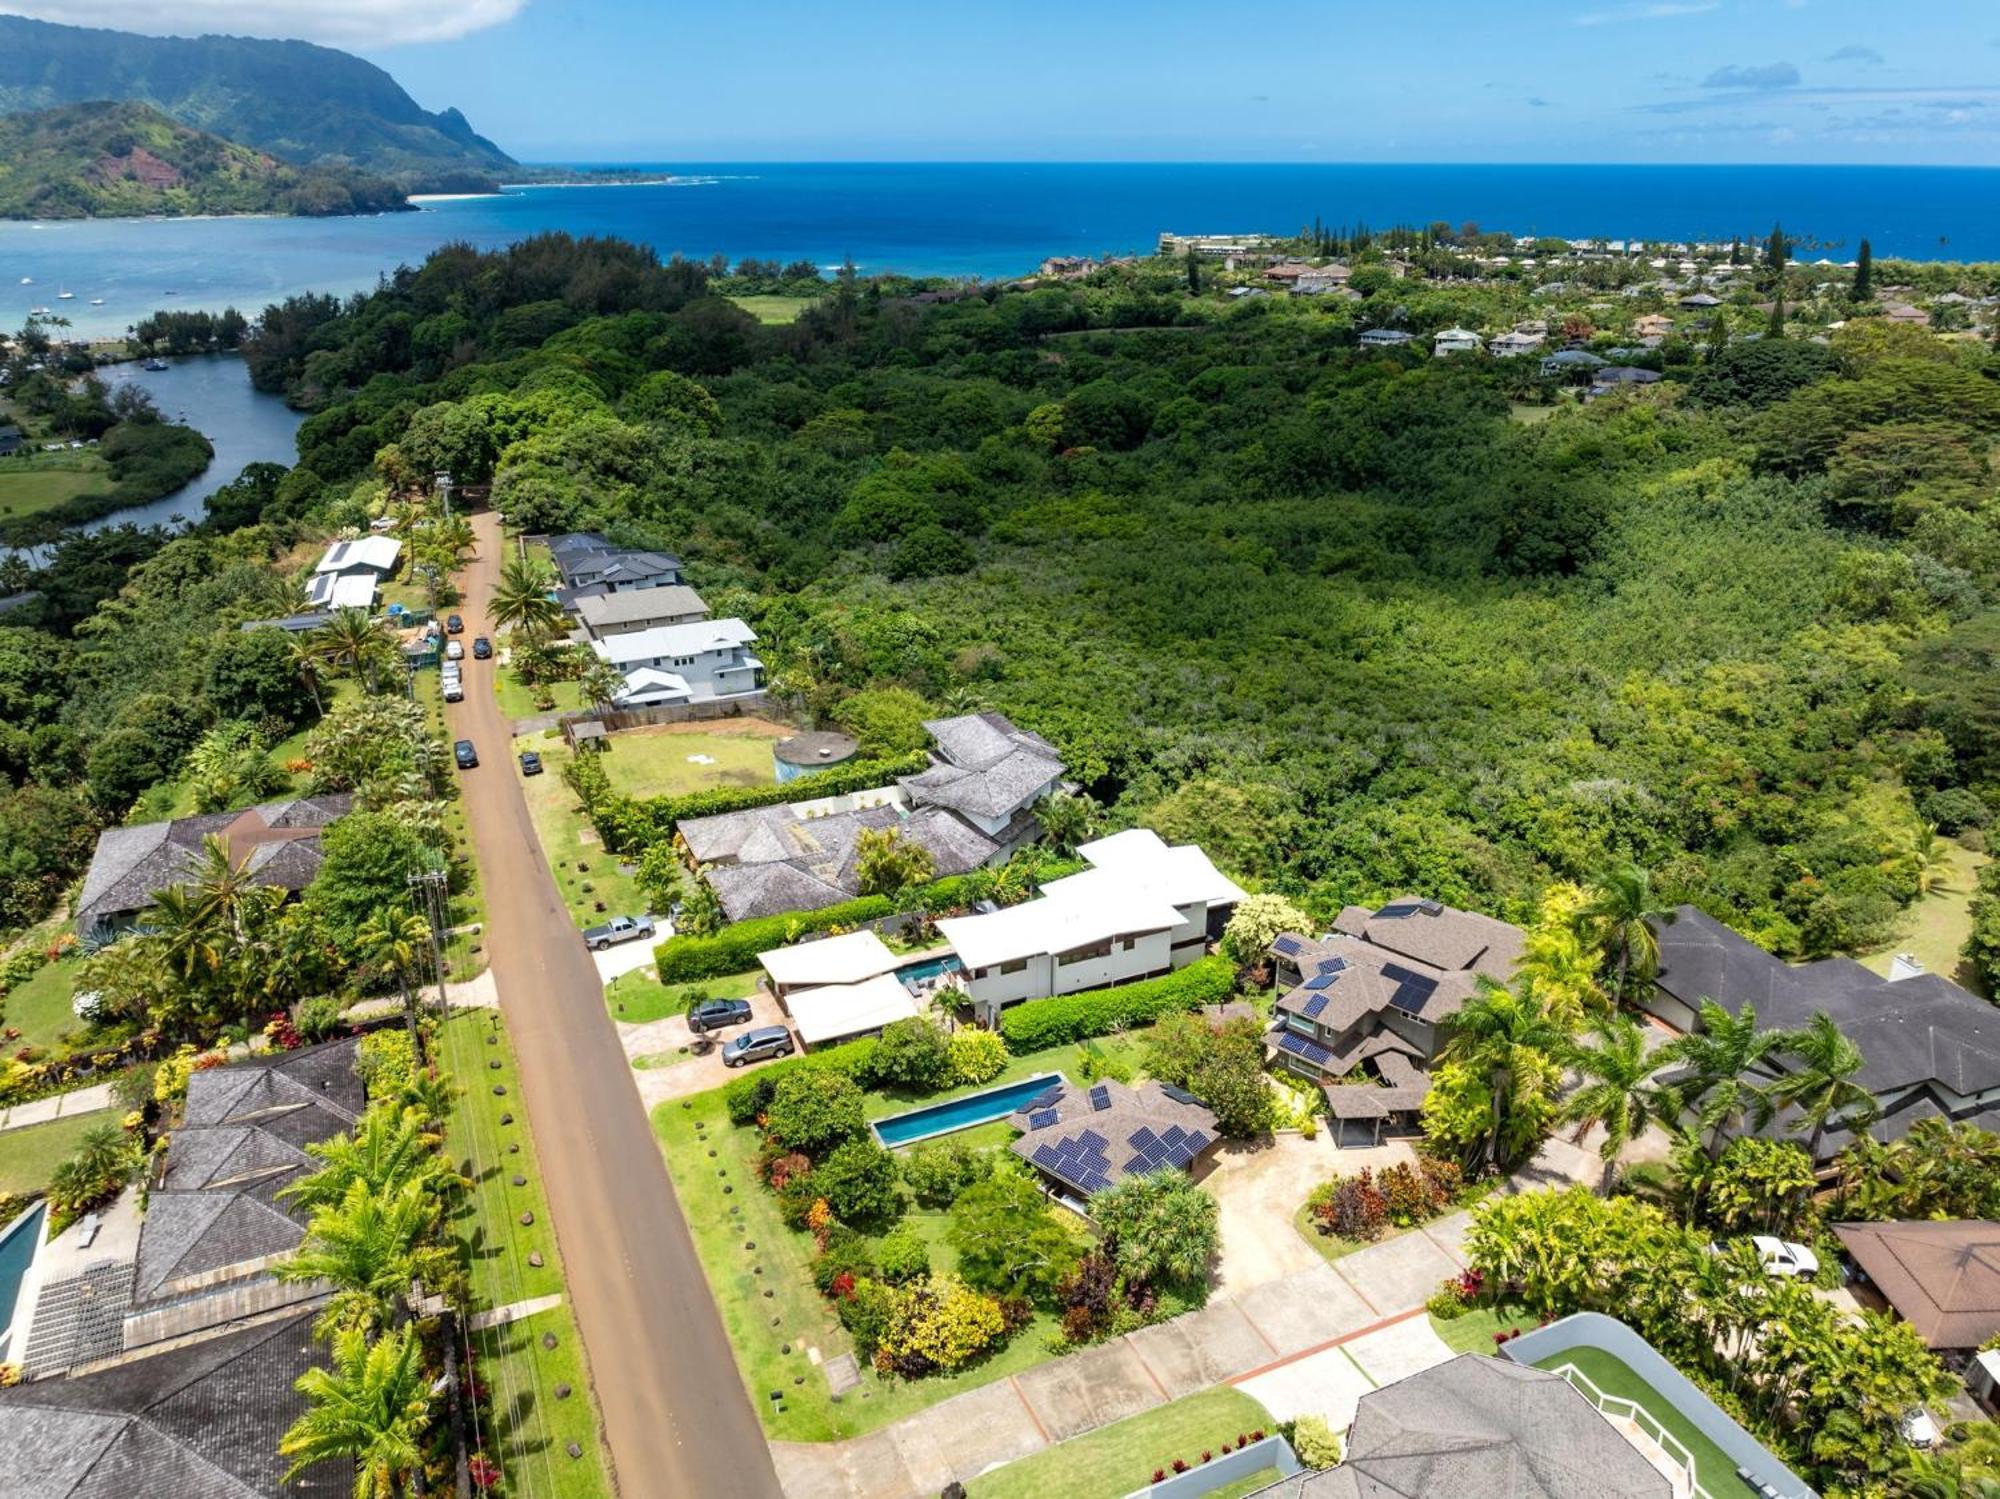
point(1328, 80)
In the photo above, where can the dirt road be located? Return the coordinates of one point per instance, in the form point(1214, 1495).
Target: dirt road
point(676, 1416)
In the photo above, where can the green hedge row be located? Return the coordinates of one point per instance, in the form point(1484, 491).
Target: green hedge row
point(630, 824)
point(749, 1095)
point(1042, 1023)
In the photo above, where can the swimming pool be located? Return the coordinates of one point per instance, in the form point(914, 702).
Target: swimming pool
point(18, 1243)
point(930, 968)
point(962, 1113)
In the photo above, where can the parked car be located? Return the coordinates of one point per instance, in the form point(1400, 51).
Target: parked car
point(465, 754)
point(454, 690)
point(453, 624)
point(618, 929)
point(454, 650)
point(756, 1046)
point(482, 648)
point(1918, 1429)
point(531, 763)
point(1784, 1260)
point(718, 1014)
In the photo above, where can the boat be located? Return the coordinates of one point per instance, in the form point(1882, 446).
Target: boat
point(27, 281)
point(97, 301)
point(155, 365)
point(64, 294)
point(38, 312)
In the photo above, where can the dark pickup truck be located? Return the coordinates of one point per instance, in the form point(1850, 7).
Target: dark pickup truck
point(618, 929)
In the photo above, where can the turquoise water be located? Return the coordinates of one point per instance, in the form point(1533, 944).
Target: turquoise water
point(962, 1113)
point(930, 968)
point(17, 1252)
point(985, 219)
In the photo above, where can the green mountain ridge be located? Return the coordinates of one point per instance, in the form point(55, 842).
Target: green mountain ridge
point(304, 104)
point(106, 159)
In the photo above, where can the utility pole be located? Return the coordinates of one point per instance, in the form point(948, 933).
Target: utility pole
point(430, 887)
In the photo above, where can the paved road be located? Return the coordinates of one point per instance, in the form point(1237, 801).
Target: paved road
point(675, 1412)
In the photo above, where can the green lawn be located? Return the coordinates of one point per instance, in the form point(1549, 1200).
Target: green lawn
point(40, 1008)
point(520, 1374)
point(1473, 1333)
point(517, 699)
point(28, 1156)
point(1935, 928)
point(1064, 1059)
point(766, 1296)
point(662, 761)
point(568, 840)
point(774, 308)
point(1117, 1459)
point(636, 998)
point(1714, 1469)
point(30, 482)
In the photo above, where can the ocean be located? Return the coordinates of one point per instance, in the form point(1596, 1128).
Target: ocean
point(986, 220)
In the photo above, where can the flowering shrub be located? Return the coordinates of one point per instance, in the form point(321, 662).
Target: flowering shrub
point(1351, 1206)
point(485, 1472)
point(282, 1033)
point(781, 1168)
point(976, 1056)
point(935, 1323)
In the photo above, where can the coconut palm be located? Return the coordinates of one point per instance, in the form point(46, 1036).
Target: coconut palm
point(1932, 856)
point(1620, 920)
point(1618, 1090)
point(372, 1247)
point(600, 681)
point(1508, 1040)
point(371, 1408)
point(396, 944)
point(1820, 1084)
point(354, 641)
point(392, 1144)
point(522, 599)
point(1719, 1059)
point(306, 659)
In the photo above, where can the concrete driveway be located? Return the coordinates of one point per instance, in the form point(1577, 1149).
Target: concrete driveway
point(669, 1073)
point(630, 957)
point(1258, 1186)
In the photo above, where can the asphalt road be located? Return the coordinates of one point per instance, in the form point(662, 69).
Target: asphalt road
point(676, 1416)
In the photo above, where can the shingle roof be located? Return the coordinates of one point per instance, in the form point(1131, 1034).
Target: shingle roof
point(280, 839)
point(1942, 1278)
point(984, 766)
point(1093, 1137)
point(603, 611)
point(198, 1421)
point(1446, 939)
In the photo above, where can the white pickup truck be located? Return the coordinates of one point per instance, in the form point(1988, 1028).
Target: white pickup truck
point(617, 929)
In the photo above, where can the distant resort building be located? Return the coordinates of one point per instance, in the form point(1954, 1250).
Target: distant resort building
point(1385, 338)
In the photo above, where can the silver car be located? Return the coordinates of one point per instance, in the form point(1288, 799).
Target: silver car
point(756, 1046)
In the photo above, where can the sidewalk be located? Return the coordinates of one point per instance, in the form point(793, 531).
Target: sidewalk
point(56, 1106)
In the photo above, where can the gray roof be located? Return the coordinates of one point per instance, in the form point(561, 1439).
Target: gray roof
point(280, 839)
point(1911, 1031)
point(784, 862)
point(984, 766)
point(197, 1421)
point(1439, 936)
point(668, 601)
point(579, 562)
point(1479, 1426)
point(1095, 1136)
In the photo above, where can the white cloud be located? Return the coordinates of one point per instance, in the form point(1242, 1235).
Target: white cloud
point(341, 23)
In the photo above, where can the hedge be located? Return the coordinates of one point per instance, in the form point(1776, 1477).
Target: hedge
point(630, 824)
point(734, 949)
point(1042, 1023)
point(747, 1096)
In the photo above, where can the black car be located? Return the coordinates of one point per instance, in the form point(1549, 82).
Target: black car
point(755, 1046)
point(531, 763)
point(453, 624)
point(465, 754)
point(482, 648)
point(718, 1014)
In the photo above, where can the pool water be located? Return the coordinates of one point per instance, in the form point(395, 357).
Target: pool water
point(930, 968)
point(962, 1113)
point(18, 1243)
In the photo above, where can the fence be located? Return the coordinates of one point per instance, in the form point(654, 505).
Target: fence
point(1227, 1468)
point(1631, 1410)
point(638, 718)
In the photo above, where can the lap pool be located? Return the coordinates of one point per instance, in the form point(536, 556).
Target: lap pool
point(18, 1243)
point(962, 1113)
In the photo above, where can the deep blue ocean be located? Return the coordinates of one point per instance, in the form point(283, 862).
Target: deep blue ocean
point(988, 220)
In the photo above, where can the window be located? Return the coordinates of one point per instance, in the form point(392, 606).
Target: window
point(1084, 954)
point(1126, 944)
point(1014, 965)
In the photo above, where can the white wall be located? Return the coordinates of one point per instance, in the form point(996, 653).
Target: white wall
point(1149, 954)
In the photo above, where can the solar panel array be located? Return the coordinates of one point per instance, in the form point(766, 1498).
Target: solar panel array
point(1172, 1146)
point(1178, 1095)
point(1307, 1050)
point(1314, 1005)
point(1041, 1118)
point(1079, 1159)
point(1048, 1098)
point(1100, 1097)
point(1413, 990)
point(1322, 981)
point(1333, 965)
point(1289, 945)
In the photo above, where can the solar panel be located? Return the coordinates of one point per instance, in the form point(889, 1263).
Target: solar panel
point(1178, 1095)
point(1041, 1118)
point(1333, 965)
point(1299, 1046)
point(1413, 990)
point(1046, 1157)
point(1100, 1097)
point(1092, 1139)
point(1322, 981)
point(1314, 1005)
point(1142, 1137)
point(1289, 945)
point(1048, 1098)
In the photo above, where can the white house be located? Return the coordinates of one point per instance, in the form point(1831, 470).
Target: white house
point(1456, 341)
point(1513, 345)
point(684, 663)
point(846, 959)
point(347, 576)
point(841, 1012)
point(1141, 910)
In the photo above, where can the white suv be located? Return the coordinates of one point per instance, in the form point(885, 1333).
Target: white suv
point(1784, 1260)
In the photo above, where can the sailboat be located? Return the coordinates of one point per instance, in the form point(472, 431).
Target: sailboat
point(27, 281)
point(64, 294)
point(97, 301)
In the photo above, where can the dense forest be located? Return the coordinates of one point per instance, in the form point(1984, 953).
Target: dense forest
point(1358, 622)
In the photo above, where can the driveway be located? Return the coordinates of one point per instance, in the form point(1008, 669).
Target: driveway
point(1258, 1187)
point(676, 1418)
point(666, 1073)
point(630, 957)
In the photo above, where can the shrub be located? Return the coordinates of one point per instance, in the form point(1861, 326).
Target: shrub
point(913, 1055)
point(103, 1162)
point(1009, 1240)
point(387, 1060)
point(939, 1171)
point(903, 1256)
point(1256, 921)
point(858, 1180)
point(846, 1253)
point(1043, 1023)
point(318, 1018)
point(864, 1312)
point(750, 1095)
point(977, 1056)
point(937, 1323)
point(1314, 1442)
point(814, 1112)
point(1160, 1226)
point(1352, 1207)
point(796, 1198)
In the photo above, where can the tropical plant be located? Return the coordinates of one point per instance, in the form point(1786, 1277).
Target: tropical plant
point(1617, 1091)
point(396, 945)
point(393, 1143)
point(1009, 1240)
point(1820, 1084)
point(229, 765)
point(600, 682)
point(1159, 1226)
point(103, 1161)
point(524, 598)
point(372, 1408)
point(372, 1247)
point(356, 642)
point(1069, 819)
point(1507, 1041)
point(1720, 1057)
point(1619, 919)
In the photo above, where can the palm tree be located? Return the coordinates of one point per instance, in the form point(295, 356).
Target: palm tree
point(1620, 919)
point(522, 601)
point(305, 654)
point(1933, 859)
point(372, 1247)
point(395, 944)
point(372, 1407)
point(354, 640)
point(1821, 1086)
point(1719, 1056)
point(600, 681)
point(392, 1144)
point(1507, 1039)
point(1618, 1090)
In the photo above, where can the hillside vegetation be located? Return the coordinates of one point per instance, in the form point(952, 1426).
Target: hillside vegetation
point(103, 160)
point(305, 104)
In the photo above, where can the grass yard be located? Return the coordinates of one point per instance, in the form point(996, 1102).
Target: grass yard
point(32, 482)
point(657, 761)
point(29, 1156)
point(1117, 1459)
point(1714, 1469)
point(568, 839)
point(517, 699)
point(774, 308)
point(1935, 928)
point(1473, 1333)
point(775, 1317)
point(520, 1375)
point(1528, 415)
point(40, 1008)
point(636, 998)
point(1120, 1051)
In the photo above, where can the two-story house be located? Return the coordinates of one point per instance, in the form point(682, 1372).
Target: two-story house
point(688, 663)
point(1364, 1009)
point(990, 773)
point(602, 615)
point(588, 564)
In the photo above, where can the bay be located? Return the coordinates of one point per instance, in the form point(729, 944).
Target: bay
point(984, 219)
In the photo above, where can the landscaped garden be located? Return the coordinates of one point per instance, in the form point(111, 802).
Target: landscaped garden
point(1346, 1213)
point(1116, 1460)
point(637, 997)
point(30, 1155)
